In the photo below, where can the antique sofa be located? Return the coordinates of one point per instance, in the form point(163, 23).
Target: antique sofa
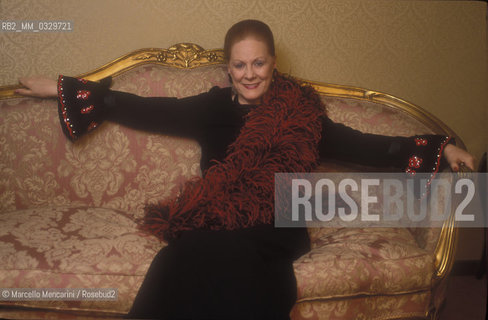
point(68, 210)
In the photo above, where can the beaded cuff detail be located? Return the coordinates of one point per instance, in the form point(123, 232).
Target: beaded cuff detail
point(63, 111)
point(426, 157)
point(80, 105)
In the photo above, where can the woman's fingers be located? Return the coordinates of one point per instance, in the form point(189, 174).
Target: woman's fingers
point(469, 162)
point(23, 92)
point(456, 156)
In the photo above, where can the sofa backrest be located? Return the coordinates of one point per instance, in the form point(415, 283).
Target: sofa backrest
point(124, 169)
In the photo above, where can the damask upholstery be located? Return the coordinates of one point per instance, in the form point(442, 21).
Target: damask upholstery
point(69, 211)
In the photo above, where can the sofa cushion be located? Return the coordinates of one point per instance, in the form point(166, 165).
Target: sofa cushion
point(74, 247)
point(350, 262)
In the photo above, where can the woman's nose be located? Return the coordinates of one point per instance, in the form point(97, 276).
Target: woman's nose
point(249, 73)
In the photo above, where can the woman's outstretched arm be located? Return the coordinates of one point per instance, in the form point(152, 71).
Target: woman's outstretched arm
point(83, 105)
point(344, 143)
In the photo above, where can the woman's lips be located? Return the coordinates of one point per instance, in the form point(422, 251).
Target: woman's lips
point(251, 86)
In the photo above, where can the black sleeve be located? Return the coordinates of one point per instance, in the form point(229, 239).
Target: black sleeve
point(83, 105)
point(410, 154)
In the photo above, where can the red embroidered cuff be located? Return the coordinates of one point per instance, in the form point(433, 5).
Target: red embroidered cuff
point(80, 105)
point(426, 156)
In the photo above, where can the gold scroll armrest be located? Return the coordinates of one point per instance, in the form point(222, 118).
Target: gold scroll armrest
point(447, 243)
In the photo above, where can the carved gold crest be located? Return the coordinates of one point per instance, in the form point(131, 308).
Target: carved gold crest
point(183, 55)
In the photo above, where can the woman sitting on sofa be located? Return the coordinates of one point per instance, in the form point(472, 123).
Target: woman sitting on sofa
point(225, 259)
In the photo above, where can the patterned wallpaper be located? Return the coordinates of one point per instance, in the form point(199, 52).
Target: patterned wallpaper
point(432, 53)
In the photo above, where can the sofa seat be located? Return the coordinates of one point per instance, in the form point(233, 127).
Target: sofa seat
point(351, 271)
point(87, 247)
point(74, 247)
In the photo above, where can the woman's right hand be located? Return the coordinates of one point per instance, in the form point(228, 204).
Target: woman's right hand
point(38, 87)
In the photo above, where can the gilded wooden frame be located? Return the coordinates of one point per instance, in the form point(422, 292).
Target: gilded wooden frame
point(189, 56)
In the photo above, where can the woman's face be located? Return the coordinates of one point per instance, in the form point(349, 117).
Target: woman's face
point(251, 69)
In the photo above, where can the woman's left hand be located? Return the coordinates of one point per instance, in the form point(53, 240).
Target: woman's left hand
point(456, 156)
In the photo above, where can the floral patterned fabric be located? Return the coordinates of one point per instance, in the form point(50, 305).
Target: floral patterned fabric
point(102, 248)
point(74, 247)
point(68, 210)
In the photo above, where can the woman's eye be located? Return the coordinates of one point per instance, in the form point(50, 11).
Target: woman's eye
point(259, 63)
point(239, 66)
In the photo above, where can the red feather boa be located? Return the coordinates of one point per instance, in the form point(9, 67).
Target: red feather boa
point(280, 135)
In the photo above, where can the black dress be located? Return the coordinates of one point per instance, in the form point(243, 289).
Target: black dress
point(242, 274)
